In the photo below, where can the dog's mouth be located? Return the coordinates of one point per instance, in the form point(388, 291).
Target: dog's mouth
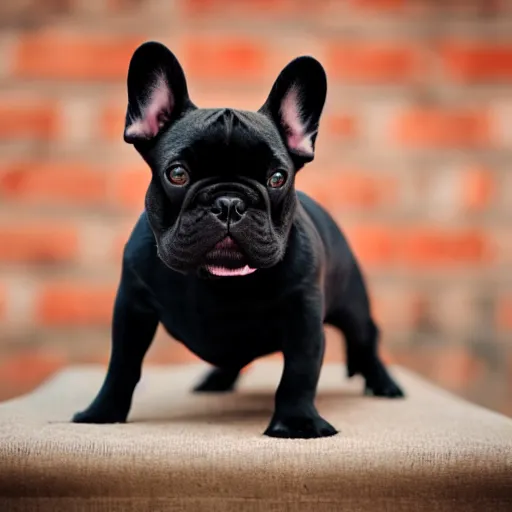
point(226, 260)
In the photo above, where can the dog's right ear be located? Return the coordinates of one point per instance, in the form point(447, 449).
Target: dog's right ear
point(157, 92)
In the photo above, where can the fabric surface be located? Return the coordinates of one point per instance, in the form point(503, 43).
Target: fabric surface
point(179, 451)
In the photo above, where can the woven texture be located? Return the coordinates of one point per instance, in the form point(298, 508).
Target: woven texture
point(181, 451)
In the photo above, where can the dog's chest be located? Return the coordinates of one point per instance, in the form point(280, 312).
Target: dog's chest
point(221, 330)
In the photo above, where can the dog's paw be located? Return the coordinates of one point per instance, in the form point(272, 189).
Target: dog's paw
point(300, 427)
point(378, 382)
point(217, 381)
point(99, 416)
point(384, 386)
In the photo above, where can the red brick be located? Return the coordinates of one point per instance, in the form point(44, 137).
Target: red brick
point(414, 360)
point(349, 188)
point(483, 9)
point(120, 242)
point(509, 375)
point(54, 55)
point(3, 302)
point(451, 366)
point(504, 313)
point(175, 353)
point(234, 98)
point(334, 349)
point(434, 247)
point(431, 127)
point(224, 58)
point(38, 242)
point(30, 118)
point(223, 8)
point(52, 183)
point(473, 61)
point(378, 5)
point(342, 126)
point(373, 245)
point(393, 308)
point(27, 369)
point(75, 304)
point(378, 62)
point(478, 189)
point(420, 247)
point(129, 187)
point(455, 367)
point(124, 6)
point(502, 236)
point(112, 122)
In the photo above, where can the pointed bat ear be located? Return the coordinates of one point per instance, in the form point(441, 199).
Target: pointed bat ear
point(157, 92)
point(295, 104)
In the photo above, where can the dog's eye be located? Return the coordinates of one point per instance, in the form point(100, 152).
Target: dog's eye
point(178, 175)
point(277, 180)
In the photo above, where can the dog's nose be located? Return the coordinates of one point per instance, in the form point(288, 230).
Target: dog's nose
point(228, 208)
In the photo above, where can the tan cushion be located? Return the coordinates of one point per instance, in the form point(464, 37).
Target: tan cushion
point(429, 452)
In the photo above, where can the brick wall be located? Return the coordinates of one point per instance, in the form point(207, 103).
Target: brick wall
point(414, 161)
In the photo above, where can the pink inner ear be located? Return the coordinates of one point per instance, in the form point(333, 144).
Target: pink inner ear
point(297, 137)
point(155, 113)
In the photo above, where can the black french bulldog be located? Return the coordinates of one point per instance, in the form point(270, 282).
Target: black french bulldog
point(231, 259)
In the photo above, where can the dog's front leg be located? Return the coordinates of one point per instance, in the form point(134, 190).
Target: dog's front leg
point(295, 414)
point(133, 329)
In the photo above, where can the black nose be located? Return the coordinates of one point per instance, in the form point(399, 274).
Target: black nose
point(228, 208)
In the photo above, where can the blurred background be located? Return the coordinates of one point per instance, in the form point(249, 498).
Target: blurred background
point(413, 160)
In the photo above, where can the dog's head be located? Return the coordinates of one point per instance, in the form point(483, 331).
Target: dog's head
point(222, 194)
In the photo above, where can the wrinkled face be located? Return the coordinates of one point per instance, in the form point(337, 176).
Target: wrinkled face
point(222, 192)
point(221, 198)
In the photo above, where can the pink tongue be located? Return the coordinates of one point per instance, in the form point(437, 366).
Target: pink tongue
point(228, 244)
point(225, 272)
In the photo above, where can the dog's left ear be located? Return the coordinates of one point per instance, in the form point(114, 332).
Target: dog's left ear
point(157, 92)
point(295, 104)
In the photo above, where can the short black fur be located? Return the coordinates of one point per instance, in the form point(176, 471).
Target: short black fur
point(225, 214)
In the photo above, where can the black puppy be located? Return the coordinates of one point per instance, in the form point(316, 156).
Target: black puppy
point(227, 255)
